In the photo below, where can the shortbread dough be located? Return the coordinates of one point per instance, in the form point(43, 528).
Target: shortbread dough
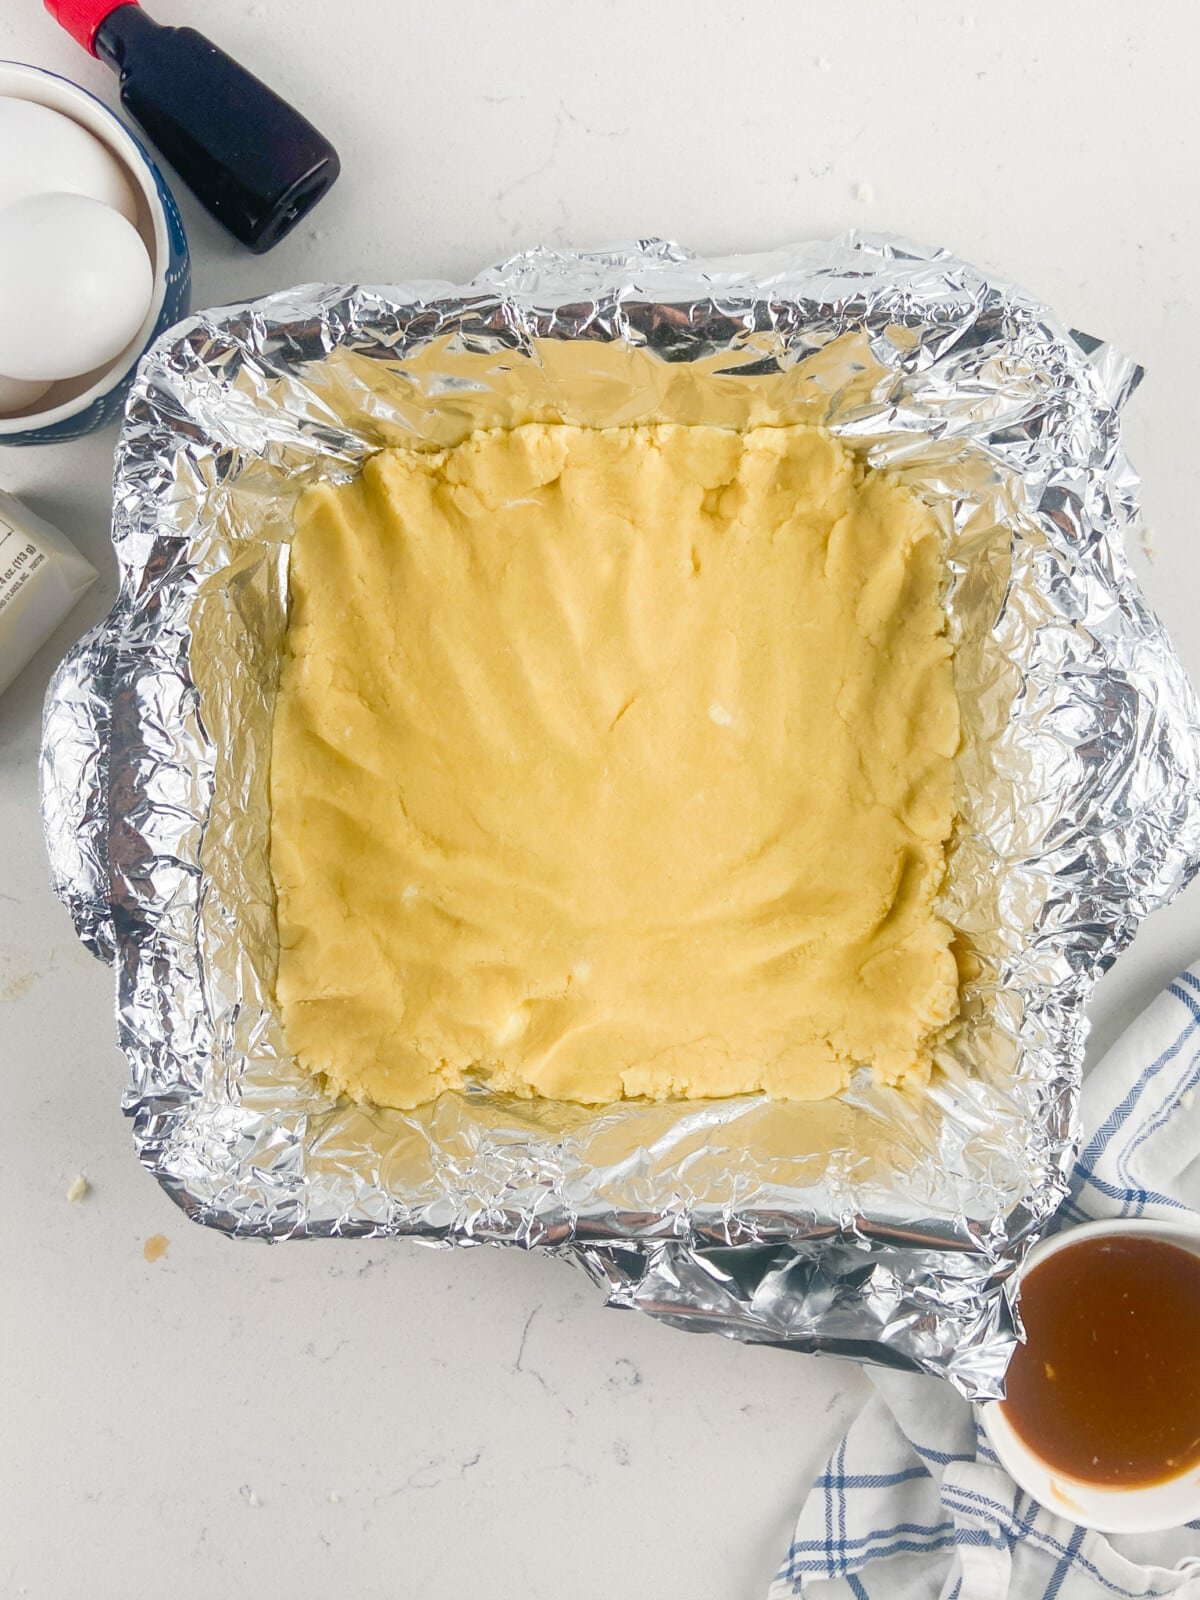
point(611, 763)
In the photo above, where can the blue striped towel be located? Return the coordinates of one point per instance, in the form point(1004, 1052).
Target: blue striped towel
point(912, 1504)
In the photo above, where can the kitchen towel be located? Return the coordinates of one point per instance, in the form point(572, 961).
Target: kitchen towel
point(913, 1504)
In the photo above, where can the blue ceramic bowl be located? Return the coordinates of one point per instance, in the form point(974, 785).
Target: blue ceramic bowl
point(78, 405)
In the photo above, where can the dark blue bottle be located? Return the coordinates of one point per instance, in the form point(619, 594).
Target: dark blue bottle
point(248, 156)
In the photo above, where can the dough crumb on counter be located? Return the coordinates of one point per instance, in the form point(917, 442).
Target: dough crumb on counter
point(614, 763)
point(78, 1189)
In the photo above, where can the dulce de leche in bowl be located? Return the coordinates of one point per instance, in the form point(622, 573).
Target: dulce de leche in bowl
point(1101, 1419)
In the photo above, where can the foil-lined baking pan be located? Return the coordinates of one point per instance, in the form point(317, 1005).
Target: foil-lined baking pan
point(884, 1224)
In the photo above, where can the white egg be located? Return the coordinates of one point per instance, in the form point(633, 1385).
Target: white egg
point(43, 152)
point(18, 394)
point(75, 286)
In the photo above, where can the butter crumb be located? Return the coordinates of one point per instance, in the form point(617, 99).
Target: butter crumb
point(79, 1188)
point(335, 1498)
point(513, 1027)
point(409, 894)
point(864, 193)
point(718, 714)
point(824, 65)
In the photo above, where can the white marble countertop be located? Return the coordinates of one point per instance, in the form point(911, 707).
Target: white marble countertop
point(399, 1423)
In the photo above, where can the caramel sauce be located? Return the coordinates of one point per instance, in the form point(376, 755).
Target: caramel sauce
point(1107, 1389)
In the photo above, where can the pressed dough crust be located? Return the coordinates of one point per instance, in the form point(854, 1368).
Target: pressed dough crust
point(614, 762)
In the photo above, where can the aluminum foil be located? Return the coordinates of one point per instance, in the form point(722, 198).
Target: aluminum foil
point(884, 1224)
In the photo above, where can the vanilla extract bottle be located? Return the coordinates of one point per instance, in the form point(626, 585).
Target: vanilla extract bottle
point(251, 159)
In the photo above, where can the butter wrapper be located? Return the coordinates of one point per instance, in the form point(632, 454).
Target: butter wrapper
point(42, 577)
point(884, 1225)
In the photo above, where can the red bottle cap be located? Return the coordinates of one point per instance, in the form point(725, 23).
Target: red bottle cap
point(82, 18)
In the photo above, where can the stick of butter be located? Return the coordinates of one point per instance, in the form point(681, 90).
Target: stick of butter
point(42, 575)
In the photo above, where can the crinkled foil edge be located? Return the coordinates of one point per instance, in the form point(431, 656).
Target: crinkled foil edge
point(1099, 823)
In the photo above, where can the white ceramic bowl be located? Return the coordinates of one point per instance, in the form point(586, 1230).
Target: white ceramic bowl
point(78, 405)
point(1148, 1509)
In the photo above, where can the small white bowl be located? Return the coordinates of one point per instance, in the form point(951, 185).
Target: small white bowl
point(1151, 1508)
point(76, 406)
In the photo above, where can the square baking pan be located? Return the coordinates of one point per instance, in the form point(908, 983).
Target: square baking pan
point(883, 1223)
